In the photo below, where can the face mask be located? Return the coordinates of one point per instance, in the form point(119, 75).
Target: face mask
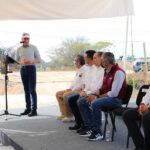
point(74, 63)
point(102, 65)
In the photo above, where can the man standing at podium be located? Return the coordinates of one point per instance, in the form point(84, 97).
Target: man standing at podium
point(28, 55)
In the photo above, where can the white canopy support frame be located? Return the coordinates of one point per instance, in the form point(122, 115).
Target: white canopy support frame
point(132, 47)
point(126, 43)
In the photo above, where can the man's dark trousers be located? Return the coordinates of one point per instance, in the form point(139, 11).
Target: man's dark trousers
point(72, 100)
point(131, 117)
point(28, 76)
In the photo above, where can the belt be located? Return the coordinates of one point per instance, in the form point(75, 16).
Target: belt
point(28, 66)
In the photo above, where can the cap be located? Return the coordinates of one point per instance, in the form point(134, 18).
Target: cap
point(25, 35)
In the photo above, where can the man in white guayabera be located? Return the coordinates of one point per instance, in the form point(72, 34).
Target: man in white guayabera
point(76, 86)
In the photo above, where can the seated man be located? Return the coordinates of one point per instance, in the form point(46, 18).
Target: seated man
point(110, 94)
point(131, 117)
point(66, 114)
point(93, 80)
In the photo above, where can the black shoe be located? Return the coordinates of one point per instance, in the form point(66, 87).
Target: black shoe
point(95, 136)
point(83, 128)
point(32, 113)
point(75, 127)
point(86, 133)
point(26, 112)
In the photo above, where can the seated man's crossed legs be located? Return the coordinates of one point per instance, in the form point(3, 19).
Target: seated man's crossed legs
point(66, 113)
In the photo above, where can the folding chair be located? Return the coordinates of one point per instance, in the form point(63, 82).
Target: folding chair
point(111, 111)
point(141, 94)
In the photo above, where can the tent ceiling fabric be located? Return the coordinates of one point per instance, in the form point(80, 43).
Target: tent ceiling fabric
point(64, 9)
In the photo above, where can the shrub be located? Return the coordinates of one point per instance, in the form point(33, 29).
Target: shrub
point(136, 84)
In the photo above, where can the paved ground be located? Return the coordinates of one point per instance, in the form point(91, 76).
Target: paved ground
point(6, 148)
point(44, 132)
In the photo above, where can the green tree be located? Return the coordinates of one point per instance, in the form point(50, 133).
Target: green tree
point(64, 55)
point(1, 51)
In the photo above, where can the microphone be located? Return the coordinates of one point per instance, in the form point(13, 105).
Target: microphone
point(21, 41)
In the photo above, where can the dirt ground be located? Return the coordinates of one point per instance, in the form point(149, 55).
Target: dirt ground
point(48, 83)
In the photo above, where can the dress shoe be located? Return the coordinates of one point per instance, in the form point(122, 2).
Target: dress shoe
point(32, 113)
point(75, 127)
point(26, 112)
point(83, 128)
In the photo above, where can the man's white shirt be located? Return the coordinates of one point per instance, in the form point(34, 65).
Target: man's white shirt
point(77, 83)
point(117, 84)
point(93, 79)
point(146, 98)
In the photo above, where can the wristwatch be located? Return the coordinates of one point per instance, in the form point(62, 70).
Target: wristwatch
point(97, 95)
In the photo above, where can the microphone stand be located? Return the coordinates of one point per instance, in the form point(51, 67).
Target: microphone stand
point(8, 60)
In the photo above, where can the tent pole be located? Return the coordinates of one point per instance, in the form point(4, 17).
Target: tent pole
point(145, 65)
point(126, 44)
point(132, 44)
point(132, 48)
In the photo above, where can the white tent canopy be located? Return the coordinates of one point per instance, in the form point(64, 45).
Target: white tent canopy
point(64, 9)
